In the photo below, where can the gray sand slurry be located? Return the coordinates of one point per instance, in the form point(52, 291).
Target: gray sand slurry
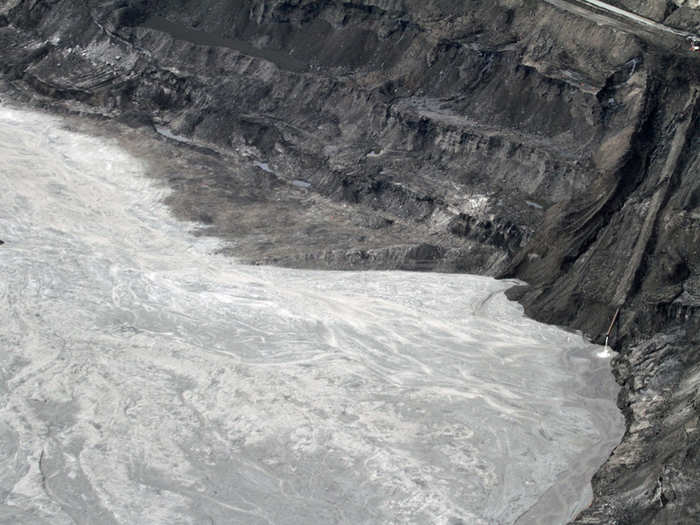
point(146, 379)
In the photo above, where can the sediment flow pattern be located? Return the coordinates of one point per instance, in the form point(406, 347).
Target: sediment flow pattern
point(144, 379)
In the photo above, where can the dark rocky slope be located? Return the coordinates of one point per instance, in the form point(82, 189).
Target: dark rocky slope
point(509, 137)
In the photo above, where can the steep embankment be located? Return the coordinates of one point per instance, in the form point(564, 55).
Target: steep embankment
point(522, 138)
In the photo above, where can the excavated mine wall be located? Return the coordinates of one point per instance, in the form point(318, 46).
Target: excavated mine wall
point(515, 138)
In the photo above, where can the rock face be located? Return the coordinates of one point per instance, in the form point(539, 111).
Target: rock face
point(531, 139)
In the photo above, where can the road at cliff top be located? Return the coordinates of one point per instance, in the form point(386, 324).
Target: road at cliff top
point(603, 13)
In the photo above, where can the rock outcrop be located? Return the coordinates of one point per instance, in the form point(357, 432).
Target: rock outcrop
point(537, 140)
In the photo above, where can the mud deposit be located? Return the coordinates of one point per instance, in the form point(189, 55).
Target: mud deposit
point(146, 380)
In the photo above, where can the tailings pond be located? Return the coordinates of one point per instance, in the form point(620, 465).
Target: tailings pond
point(145, 379)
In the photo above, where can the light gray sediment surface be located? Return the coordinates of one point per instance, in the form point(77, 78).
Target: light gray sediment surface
point(144, 379)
